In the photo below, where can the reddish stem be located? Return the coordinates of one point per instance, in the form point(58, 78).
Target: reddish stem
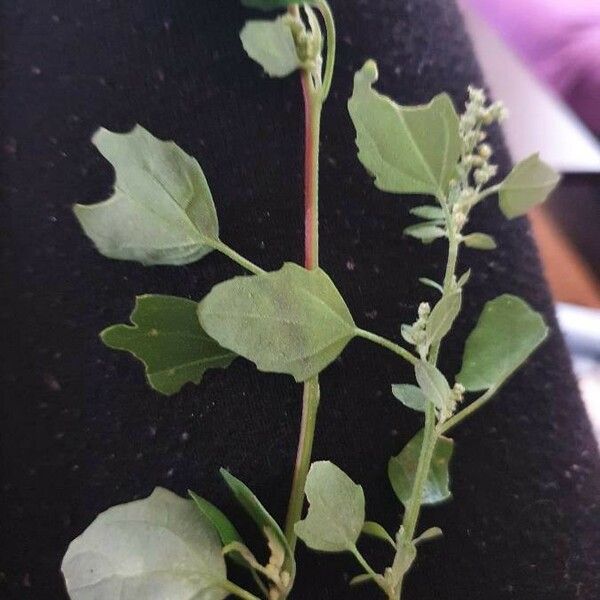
point(311, 139)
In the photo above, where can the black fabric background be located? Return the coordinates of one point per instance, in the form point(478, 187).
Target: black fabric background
point(81, 430)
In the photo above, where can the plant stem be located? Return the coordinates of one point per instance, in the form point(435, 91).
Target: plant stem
point(237, 591)
point(411, 515)
point(310, 405)
point(430, 433)
point(363, 562)
point(310, 397)
point(493, 189)
point(377, 339)
point(467, 411)
point(312, 129)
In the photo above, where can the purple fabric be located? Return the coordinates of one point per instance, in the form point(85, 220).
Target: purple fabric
point(560, 40)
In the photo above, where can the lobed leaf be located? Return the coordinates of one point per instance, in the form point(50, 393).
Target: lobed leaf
point(161, 211)
point(168, 339)
point(289, 321)
point(271, 44)
point(336, 513)
point(403, 468)
point(156, 548)
point(506, 334)
point(529, 183)
point(407, 149)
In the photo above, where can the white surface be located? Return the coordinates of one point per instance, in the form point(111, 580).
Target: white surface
point(538, 121)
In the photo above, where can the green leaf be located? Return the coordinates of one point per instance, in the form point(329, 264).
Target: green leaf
point(443, 316)
point(259, 514)
point(480, 241)
point(429, 534)
point(161, 211)
point(407, 149)
point(336, 513)
point(428, 212)
point(224, 527)
point(433, 384)
point(410, 395)
point(529, 183)
point(373, 529)
point(425, 231)
point(364, 578)
point(507, 332)
point(270, 4)
point(433, 284)
point(156, 548)
point(403, 468)
point(288, 321)
point(464, 278)
point(271, 44)
point(168, 339)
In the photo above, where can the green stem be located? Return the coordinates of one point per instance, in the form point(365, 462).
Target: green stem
point(411, 515)
point(430, 433)
point(313, 104)
point(448, 279)
point(237, 591)
point(467, 411)
point(381, 341)
point(238, 258)
point(323, 7)
point(310, 405)
point(493, 189)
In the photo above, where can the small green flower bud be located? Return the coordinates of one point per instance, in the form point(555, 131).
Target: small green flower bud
point(424, 310)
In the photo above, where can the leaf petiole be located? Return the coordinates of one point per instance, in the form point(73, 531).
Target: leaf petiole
point(323, 7)
point(235, 257)
point(490, 191)
point(467, 411)
point(381, 341)
point(363, 562)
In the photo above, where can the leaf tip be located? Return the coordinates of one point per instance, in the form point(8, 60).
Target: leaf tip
point(368, 74)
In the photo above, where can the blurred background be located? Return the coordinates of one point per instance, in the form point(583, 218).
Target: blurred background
point(542, 58)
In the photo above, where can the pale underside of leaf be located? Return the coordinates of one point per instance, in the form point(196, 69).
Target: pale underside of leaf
point(528, 184)
point(159, 548)
point(336, 511)
point(271, 44)
point(443, 316)
point(433, 384)
point(410, 395)
point(161, 211)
